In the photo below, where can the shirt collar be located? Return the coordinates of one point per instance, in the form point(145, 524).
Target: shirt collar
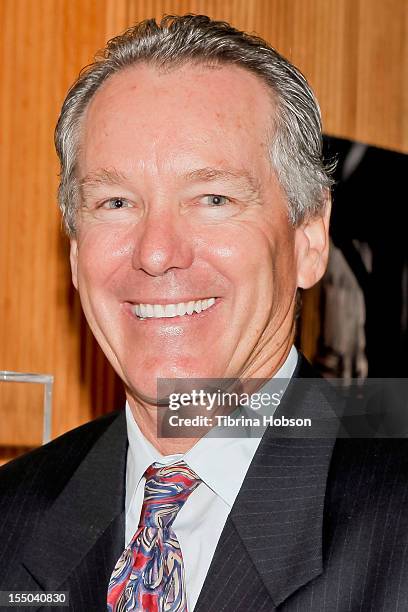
point(221, 463)
point(141, 453)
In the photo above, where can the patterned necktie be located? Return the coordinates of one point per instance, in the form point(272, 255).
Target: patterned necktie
point(149, 575)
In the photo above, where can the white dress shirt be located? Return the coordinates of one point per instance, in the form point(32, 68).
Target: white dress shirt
point(221, 463)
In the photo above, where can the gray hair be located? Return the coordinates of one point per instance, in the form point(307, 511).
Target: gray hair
point(296, 145)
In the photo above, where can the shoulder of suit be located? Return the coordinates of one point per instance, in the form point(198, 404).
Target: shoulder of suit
point(47, 468)
point(357, 464)
point(373, 454)
point(368, 473)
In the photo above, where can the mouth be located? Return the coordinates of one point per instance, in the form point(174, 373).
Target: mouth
point(169, 311)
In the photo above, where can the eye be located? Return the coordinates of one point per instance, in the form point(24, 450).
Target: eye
point(116, 203)
point(215, 200)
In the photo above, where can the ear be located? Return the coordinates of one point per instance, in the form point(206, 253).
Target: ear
point(312, 248)
point(73, 257)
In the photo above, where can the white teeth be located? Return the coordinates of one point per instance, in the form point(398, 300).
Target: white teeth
point(159, 311)
point(181, 309)
point(170, 310)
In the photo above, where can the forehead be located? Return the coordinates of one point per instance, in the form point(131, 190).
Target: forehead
point(143, 116)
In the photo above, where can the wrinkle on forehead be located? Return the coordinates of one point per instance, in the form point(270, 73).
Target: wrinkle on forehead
point(197, 129)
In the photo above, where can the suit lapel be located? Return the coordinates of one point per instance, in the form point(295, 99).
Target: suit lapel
point(271, 544)
point(273, 535)
point(88, 510)
point(232, 582)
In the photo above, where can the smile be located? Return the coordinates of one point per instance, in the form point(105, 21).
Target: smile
point(180, 309)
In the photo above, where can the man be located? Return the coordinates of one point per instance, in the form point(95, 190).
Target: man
point(197, 203)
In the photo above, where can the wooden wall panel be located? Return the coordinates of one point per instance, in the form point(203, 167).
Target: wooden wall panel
point(354, 53)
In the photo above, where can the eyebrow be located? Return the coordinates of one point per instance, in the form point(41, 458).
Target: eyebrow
point(209, 174)
point(104, 176)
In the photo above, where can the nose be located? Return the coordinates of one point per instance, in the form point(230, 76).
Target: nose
point(164, 243)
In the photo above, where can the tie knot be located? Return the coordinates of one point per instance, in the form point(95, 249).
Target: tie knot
point(166, 490)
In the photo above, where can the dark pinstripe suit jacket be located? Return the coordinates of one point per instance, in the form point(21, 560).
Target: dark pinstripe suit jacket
point(318, 524)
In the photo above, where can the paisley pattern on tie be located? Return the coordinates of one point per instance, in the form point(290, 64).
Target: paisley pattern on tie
point(149, 575)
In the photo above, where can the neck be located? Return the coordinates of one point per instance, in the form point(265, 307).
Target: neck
point(146, 414)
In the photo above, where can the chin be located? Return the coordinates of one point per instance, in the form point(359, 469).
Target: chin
point(145, 386)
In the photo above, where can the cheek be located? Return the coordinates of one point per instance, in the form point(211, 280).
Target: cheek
point(272, 266)
point(241, 249)
point(100, 255)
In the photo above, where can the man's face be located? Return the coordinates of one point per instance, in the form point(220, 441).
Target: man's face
point(180, 207)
